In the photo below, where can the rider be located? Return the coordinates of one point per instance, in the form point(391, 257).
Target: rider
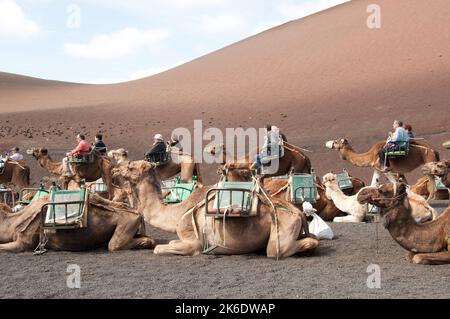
point(175, 143)
point(271, 138)
point(158, 149)
point(99, 144)
point(15, 155)
point(396, 141)
point(82, 148)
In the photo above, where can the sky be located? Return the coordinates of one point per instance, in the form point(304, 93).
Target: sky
point(109, 41)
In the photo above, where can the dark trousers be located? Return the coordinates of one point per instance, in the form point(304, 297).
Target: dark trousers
point(382, 154)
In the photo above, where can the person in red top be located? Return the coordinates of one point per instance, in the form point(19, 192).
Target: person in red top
point(82, 148)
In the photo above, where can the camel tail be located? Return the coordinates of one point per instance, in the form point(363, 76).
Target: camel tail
point(27, 173)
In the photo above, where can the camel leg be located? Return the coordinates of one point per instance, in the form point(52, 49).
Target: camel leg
point(348, 219)
point(183, 248)
point(375, 179)
point(124, 237)
point(12, 247)
point(432, 258)
point(287, 234)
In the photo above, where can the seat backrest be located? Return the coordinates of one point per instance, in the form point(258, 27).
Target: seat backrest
point(234, 199)
point(344, 181)
point(61, 214)
point(303, 188)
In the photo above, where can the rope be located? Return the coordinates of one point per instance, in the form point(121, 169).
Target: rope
point(303, 149)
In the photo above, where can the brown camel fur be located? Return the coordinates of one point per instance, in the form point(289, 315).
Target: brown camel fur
point(101, 168)
point(440, 169)
point(16, 175)
point(419, 154)
point(243, 235)
point(428, 243)
point(293, 160)
point(181, 163)
point(107, 224)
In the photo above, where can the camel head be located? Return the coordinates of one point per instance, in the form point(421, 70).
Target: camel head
point(38, 153)
point(118, 155)
point(134, 172)
point(383, 196)
point(337, 144)
point(436, 168)
point(329, 180)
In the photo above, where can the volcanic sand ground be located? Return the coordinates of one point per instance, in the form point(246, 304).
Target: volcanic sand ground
point(336, 270)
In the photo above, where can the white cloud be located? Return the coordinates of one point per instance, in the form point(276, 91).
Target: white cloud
point(308, 7)
point(221, 23)
point(193, 3)
point(152, 71)
point(14, 22)
point(119, 44)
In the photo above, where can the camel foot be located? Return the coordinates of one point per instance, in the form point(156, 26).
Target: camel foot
point(179, 248)
point(440, 258)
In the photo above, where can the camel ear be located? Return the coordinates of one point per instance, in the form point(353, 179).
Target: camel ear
point(44, 151)
point(447, 163)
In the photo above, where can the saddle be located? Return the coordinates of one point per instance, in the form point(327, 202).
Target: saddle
point(87, 158)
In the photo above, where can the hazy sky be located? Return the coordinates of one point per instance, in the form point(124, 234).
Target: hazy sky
point(104, 41)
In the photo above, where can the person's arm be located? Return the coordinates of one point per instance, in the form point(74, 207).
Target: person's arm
point(75, 150)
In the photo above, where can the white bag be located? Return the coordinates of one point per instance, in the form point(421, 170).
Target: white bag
point(317, 226)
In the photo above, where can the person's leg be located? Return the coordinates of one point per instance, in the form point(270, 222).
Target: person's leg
point(66, 167)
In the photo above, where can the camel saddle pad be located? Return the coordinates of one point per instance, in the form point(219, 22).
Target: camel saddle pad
point(302, 188)
point(236, 199)
point(62, 215)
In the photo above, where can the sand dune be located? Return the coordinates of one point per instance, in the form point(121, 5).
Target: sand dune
point(318, 78)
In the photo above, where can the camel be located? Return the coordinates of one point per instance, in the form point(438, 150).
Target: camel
point(101, 168)
point(279, 231)
point(419, 154)
point(16, 175)
point(428, 243)
point(180, 163)
point(278, 188)
point(430, 170)
point(107, 224)
point(293, 159)
point(421, 210)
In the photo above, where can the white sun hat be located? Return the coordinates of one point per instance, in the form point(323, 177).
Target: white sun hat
point(158, 137)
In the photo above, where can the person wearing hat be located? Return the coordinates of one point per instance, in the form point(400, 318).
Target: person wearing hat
point(175, 142)
point(158, 149)
point(15, 155)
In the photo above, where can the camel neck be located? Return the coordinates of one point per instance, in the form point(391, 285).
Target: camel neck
point(357, 159)
point(52, 166)
point(421, 238)
point(156, 213)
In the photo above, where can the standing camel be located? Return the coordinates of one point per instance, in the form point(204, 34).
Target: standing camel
point(100, 168)
point(427, 243)
point(107, 224)
point(16, 174)
point(279, 231)
point(419, 154)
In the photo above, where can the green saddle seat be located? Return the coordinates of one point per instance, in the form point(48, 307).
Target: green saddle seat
point(83, 158)
point(179, 192)
point(40, 192)
point(65, 209)
point(439, 184)
point(344, 181)
point(303, 188)
point(233, 199)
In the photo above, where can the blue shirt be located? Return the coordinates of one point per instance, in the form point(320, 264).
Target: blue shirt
point(400, 137)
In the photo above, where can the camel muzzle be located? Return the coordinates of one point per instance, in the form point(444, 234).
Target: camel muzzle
point(329, 144)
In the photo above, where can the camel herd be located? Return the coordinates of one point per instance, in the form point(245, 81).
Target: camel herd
point(278, 225)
